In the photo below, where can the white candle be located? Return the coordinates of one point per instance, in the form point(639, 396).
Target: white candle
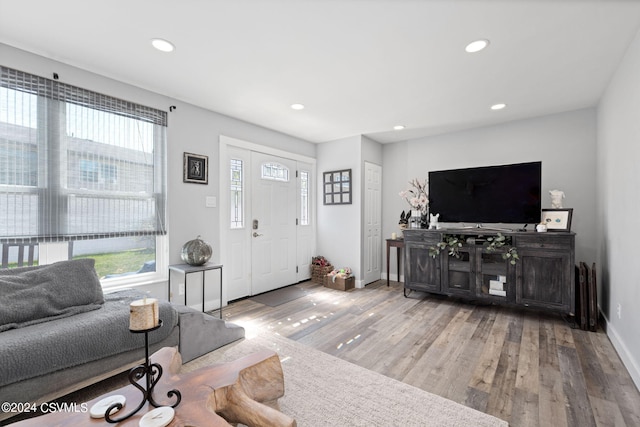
point(394, 236)
point(143, 314)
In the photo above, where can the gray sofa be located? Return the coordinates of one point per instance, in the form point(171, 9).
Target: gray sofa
point(59, 332)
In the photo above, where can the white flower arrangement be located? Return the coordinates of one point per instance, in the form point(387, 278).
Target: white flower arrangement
point(417, 196)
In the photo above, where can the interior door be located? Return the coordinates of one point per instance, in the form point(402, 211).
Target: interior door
point(273, 222)
point(372, 223)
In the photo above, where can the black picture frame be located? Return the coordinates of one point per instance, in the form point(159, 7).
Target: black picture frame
point(337, 187)
point(196, 168)
point(557, 219)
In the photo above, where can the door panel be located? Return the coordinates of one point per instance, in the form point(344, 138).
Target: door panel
point(273, 205)
point(373, 224)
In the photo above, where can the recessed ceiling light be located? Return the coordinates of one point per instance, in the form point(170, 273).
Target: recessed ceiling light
point(163, 45)
point(398, 127)
point(297, 106)
point(477, 46)
point(498, 106)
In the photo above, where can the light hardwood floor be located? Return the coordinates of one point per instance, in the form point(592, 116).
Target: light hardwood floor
point(526, 367)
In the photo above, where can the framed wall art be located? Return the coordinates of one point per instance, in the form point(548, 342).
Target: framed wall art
point(557, 219)
point(196, 168)
point(337, 187)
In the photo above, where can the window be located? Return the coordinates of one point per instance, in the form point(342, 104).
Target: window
point(304, 198)
point(275, 171)
point(237, 194)
point(81, 167)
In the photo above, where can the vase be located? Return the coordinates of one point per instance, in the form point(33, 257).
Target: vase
point(196, 252)
point(424, 220)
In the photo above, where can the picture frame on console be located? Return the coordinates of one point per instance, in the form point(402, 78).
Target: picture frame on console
point(557, 219)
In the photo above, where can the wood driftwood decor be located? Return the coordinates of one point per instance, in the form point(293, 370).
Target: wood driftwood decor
point(243, 391)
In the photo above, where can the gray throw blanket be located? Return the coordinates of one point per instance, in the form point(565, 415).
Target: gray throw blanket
point(74, 340)
point(31, 295)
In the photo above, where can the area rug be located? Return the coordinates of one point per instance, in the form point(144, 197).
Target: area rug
point(280, 296)
point(322, 390)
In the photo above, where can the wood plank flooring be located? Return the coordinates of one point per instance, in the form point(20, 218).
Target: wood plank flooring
point(526, 367)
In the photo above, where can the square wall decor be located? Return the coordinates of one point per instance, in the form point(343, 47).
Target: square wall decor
point(196, 168)
point(337, 187)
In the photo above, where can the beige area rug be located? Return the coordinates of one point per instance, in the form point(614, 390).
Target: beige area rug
point(322, 390)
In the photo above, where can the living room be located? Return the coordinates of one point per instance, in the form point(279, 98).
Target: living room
point(588, 151)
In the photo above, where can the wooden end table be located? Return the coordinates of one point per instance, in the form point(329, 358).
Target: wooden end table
point(399, 245)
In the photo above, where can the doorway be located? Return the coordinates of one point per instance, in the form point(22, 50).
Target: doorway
point(267, 219)
point(273, 222)
point(372, 213)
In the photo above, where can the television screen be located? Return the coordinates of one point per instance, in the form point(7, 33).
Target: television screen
point(492, 194)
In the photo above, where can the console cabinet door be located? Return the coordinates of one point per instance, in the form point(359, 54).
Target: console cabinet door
point(422, 271)
point(543, 279)
point(459, 276)
point(495, 277)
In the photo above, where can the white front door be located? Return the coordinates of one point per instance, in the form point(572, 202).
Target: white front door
point(272, 222)
point(372, 223)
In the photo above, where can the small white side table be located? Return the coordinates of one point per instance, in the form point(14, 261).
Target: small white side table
point(186, 269)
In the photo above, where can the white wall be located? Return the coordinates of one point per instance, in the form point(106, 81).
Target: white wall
point(618, 172)
point(339, 226)
point(191, 129)
point(565, 143)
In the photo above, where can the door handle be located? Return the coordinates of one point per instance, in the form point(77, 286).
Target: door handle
point(256, 234)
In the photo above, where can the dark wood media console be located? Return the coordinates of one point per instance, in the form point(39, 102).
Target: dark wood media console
point(542, 277)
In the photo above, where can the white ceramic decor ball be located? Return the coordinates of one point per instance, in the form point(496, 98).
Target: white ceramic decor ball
point(196, 252)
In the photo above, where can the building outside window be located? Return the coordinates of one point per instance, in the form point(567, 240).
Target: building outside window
point(82, 168)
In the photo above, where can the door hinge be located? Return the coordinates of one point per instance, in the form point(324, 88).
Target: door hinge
point(296, 221)
point(296, 268)
point(296, 174)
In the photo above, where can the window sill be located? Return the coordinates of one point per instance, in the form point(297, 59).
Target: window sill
point(134, 281)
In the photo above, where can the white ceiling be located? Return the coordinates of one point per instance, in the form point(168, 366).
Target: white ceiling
point(359, 66)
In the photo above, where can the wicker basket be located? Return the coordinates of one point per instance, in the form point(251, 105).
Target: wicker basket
point(318, 273)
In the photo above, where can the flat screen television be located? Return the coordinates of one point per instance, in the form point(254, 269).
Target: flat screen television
point(507, 194)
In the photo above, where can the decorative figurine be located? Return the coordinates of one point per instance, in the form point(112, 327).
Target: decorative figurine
point(433, 221)
point(556, 199)
point(404, 220)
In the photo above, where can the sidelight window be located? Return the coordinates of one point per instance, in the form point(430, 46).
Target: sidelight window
point(237, 193)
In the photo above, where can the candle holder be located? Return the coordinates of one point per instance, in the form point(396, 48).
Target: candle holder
point(153, 372)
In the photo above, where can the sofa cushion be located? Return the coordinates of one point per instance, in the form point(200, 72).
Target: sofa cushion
point(30, 295)
point(66, 342)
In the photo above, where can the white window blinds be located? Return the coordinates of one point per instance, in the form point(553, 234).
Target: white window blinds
point(75, 164)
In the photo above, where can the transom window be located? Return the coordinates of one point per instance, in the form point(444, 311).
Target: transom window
point(275, 172)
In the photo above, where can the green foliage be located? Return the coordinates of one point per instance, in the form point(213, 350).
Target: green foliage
point(451, 243)
point(121, 262)
point(499, 241)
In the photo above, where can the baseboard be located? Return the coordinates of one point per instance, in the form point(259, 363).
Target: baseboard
point(393, 277)
point(627, 358)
